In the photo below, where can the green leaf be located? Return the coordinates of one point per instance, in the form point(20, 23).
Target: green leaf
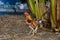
point(41, 1)
point(32, 5)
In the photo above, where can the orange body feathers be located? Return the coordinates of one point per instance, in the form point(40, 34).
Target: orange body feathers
point(31, 22)
point(28, 17)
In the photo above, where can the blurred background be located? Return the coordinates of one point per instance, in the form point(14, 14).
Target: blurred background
point(13, 6)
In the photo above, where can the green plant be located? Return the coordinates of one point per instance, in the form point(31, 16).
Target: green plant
point(36, 7)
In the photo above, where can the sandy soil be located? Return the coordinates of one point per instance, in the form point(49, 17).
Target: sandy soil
point(13, 27)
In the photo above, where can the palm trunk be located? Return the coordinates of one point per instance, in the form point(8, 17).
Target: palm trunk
point(58, 13)
point(53, 13)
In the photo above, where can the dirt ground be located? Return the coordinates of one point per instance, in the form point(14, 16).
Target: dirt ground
point(13, 27)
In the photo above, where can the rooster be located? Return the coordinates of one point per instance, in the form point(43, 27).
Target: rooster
point(33, 25)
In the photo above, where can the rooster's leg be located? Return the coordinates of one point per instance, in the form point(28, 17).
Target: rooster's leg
point(36, 29)
point(31, 30)
point(33, 33)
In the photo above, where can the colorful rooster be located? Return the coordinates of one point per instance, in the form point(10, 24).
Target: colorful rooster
point(33, 25)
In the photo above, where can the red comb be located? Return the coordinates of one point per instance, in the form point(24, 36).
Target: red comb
point(26, 13)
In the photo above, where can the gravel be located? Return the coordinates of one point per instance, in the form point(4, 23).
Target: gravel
point(13, 27)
